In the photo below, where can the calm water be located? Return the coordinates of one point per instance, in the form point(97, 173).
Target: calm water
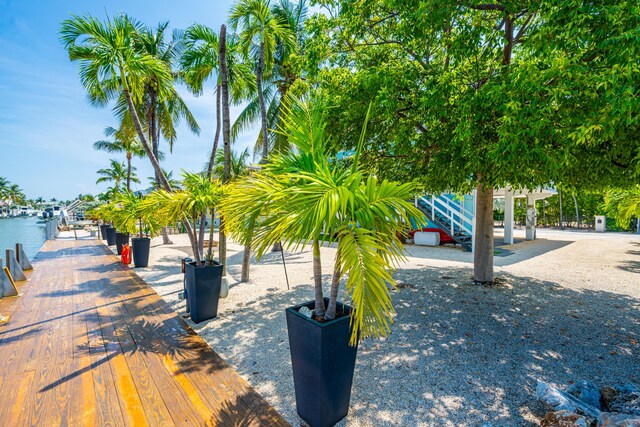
point(21, 230)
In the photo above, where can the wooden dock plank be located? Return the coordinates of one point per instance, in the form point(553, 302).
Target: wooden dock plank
point(90, 343)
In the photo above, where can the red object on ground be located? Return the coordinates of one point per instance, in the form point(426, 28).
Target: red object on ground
point(126, 255)
point(444, 237)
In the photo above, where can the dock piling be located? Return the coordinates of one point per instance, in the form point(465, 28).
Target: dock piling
point(7, 286)
point(22, 258)
point(13, 266)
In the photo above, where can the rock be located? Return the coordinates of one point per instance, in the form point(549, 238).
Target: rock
point(564, 419)
point(560, 401)
point(627, 401)
point(607, 395)
point(305, 311)
point(587, 392)
point(612, 419)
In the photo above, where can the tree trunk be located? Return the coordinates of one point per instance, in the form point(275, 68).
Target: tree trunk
point(246, 264)
point(213, 218)
point(145, 144)
point(317, 280)
point(203, 220)
point(263, 109)
point(128, 172)
point(226, 137)
point(335, 285)
point(575, 201)
point(483, 250)
point(217, 135)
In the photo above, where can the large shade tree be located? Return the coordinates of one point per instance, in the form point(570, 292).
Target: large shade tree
point(478, 95)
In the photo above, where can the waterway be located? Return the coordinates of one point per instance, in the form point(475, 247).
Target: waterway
point(25, 230)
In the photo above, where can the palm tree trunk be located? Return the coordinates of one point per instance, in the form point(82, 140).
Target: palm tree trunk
point(246, 257)
point(213, 217)
point(217, 135)
point(128, 172)
point(335, 285)
point(203, 220)
point(263, 109)
point(145, 144)
point(226, 136)
point(317, 279)
point(483, 250)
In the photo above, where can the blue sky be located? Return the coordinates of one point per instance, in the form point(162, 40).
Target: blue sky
point(47, 128)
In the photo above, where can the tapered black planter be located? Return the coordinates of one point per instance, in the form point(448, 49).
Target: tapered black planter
point(203, 290)
point(103, 231)
point(323, 364)
point(111, 236)
point(121, 240)
point(140, 247)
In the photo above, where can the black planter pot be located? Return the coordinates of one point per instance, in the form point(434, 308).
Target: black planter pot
point(323, 365)
point(140, 247)
point(111, 236)
point(103, 231)
point(121, 240)
point(203, 290)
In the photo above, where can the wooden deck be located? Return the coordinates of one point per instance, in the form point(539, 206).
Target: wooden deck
point(89, 343)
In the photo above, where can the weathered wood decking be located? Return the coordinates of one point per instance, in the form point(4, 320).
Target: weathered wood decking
point(89, 343)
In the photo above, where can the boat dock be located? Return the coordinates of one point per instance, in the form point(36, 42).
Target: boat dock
point(90, 343)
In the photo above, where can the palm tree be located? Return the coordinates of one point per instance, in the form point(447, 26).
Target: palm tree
point(117, 173)
point(4, 187)
point(302, 195)
point(199, 194)
point(111, 66)
point(124, 142)
point(262, 31)
point(175, 184)
point(15, 193)
point(237, 164)
point(278, 81)
point(201, 61)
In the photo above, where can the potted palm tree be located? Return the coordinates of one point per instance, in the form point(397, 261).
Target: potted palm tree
point(104, 213)
point(130, 217)
point(299, 197)
point(203, 276)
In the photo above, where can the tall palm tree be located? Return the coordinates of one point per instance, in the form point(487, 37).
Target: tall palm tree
point(124, 141)
point(175, 184)
point(112, 65)
point(117, 173)
point(201, 62)
point(278, 81)
point(261, 32)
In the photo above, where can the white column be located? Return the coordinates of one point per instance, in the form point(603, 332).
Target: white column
point(508, 217)
point(531, 217)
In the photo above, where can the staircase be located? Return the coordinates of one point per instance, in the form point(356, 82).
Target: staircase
point(449, 215)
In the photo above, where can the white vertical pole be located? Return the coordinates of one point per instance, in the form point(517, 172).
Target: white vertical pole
point(508, 217)
point(473, 222)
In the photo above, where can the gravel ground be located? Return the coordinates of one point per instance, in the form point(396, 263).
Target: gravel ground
point(568, 308)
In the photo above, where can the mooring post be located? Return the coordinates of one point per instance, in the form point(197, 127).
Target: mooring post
point(23, 260)
point(13, 266)
point(7, 285)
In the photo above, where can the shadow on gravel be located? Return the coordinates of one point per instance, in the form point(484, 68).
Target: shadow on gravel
point(458, 355)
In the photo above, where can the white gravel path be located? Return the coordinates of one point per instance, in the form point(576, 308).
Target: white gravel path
point(459, 354)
